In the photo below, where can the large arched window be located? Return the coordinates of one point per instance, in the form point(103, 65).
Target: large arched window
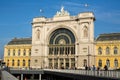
point(13, 62)
point(85, 32)
point(99, 50)
point(8, 62)
point(18, 63)
point(107, 50)
point(62, 36)
point(23, 62)
point(29, 63)
point(115, 50)
point(116, 63)
point(85, 62)
point(62, 43)
point(108, 63)
point(100, 63)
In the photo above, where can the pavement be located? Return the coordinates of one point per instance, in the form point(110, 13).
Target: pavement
point(7, 76)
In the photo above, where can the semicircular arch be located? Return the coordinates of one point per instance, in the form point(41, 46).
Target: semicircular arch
point(59, 27)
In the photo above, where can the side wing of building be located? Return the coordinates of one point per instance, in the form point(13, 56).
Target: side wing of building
point(107, 49)
point(17, 53)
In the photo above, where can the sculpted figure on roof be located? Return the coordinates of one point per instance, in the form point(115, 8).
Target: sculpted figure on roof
point(62, 12)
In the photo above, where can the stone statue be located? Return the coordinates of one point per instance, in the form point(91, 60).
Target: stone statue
point(62, 12)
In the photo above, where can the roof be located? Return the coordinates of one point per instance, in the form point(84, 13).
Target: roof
point(18, 41)
point(108, 37)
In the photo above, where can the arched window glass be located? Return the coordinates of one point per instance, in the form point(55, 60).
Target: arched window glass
point(18, 63)
point(85, 32)
point(14, 52)
point(19, 52)
point(24, 52)
point(100, 63)
point(29, 63)
point(72, 63)
point(107, 50)
point(116, 63)
point(108, 63)
point(29, 52)
point(8, 52)
point(23, 62)
point(99, 50)
point(85, 62)
point(62, 36)
point(8, 62)
point(13, 62)
point(115, 50)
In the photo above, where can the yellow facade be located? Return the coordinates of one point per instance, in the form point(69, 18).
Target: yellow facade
point(17, 55)
point(108, 53)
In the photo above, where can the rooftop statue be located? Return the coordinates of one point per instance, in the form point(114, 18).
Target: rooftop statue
point(62, 12)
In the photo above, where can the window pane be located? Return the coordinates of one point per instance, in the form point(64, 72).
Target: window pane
point(99, 50)
point(100, 63)
point(108, 63)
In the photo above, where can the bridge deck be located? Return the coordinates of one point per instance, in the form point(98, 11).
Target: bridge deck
point(20, 71)
point(107, 74)
point(76, 74)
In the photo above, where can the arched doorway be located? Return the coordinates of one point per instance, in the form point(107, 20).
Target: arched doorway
point(61, 49)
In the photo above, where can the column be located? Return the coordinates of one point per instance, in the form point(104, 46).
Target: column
point(58, 50)
point(21, 76)
point(53, 50)
point(67, 50)
point(70, 50)
point(50, 52)
point(32, 77)
point(64, 50)
point(64, 63)
point(53, 63)
point(39, 76)
point(58, 63)
point(69, 62)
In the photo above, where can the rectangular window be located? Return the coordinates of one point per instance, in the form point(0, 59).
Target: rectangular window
point(9, 52)
point(13, 52)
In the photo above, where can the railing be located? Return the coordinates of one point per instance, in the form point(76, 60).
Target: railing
point(100, 73)
point(109, 73)
point(32, 79)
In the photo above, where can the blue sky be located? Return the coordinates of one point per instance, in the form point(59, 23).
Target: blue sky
point(16, 15)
